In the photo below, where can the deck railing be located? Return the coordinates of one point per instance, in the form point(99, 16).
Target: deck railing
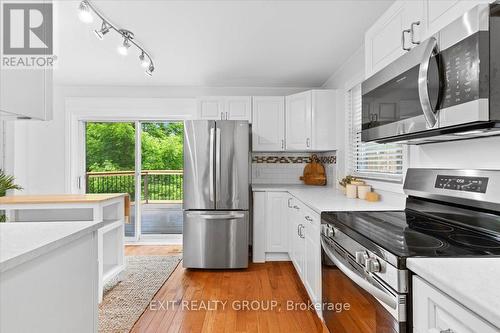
point(157, 186)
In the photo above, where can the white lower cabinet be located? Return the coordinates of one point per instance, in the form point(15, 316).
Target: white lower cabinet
point(435, 312)
point(270, 220)
point(312, 255)
point(284, 228)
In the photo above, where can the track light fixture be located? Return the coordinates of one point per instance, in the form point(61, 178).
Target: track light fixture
point(85, 14)
point(86, 11)
point(101, 32)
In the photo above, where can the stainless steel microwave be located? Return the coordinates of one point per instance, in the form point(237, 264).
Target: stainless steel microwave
point(446, 88)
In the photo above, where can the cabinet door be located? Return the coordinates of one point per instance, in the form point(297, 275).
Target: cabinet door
point(211, 108)
point(324, 117)
point(383, 41)
point(268, 123)
point(443, 12)
point(27, 92)
point(298, 121)
point(238, 108)
point(313, 255)
point(296, 220)
point(434, 311)
point(276, 222)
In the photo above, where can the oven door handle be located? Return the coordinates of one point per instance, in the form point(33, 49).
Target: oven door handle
point(388, 299)
point(423, 87)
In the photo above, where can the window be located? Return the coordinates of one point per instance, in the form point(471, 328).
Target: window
point(368, 159)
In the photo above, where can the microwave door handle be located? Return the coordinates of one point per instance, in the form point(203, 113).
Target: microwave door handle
point(211, 164)
point(423, 91)
point(389, 300)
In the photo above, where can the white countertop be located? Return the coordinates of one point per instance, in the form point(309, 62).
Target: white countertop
point(21, 242)
point(473, 282)
point(327, 198)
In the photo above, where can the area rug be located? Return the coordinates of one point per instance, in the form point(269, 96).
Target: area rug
point(125, 301)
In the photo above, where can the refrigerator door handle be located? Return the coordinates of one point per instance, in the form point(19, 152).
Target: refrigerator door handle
point(211, 162)
point(217, 216)
point(217, 163)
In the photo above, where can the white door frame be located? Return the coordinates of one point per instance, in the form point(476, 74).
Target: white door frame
point(80, 110)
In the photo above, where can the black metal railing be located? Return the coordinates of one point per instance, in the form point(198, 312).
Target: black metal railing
point(157, 186)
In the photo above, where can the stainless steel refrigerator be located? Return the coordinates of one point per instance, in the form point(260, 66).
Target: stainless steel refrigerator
point(216, 194)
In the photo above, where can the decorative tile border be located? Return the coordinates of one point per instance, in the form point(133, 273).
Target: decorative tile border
point(294, 159)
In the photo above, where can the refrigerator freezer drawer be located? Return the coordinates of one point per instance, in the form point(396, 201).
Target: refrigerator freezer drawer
point(215, 239)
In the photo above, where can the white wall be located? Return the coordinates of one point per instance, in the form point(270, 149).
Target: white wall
point(40, 150)
point(481, 153)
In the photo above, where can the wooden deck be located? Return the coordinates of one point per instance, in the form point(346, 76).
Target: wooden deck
point(262, 283)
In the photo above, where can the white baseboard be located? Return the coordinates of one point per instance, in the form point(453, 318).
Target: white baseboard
point(277, 256)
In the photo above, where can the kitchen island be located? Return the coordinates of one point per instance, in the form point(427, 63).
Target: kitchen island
point(49, 277)
point(71, 208)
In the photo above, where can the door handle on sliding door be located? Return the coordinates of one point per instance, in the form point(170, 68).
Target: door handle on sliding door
point(217, 164)
point(211, 162)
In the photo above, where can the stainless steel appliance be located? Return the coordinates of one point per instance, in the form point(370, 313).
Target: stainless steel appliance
point(446, 88)
point(216, 194)
point(449, 213)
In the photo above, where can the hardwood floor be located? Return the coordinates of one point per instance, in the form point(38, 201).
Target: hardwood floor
point(256, 299)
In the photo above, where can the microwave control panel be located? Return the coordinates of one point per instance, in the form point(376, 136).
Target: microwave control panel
point(461, 72)
point(458, 183)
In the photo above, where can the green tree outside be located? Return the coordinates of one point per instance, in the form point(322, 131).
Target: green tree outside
point(111, 147)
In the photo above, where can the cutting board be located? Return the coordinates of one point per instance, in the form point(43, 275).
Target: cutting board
point(314, 172)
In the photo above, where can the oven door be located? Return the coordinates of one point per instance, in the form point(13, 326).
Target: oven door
point(353, 301)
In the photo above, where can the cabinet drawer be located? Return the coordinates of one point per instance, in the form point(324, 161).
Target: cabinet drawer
point(434, 312)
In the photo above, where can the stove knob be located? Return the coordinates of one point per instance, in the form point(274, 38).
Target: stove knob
point(327, 231)
point(361, 257)
point(372, 265)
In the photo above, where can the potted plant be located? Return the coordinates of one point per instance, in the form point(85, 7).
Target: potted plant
point(6, 183)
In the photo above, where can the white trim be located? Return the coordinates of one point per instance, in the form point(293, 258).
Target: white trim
point(138, 188)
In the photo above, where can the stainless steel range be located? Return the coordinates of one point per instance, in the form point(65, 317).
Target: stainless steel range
point(449, 213)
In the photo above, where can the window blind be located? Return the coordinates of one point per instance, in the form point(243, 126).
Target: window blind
point(368, 159)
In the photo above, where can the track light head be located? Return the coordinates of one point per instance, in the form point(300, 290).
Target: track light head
point(144, 61)
point(104, 30)
point(123, 48)
point(84, 12)
point(150, 70)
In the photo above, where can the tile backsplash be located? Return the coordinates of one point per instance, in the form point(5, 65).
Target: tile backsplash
point(286, 167)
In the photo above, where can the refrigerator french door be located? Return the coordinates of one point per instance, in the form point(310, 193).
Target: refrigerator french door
point(216, 194)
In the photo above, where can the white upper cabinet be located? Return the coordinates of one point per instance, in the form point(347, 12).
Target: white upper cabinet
point(310, 117)
point(238, 108)
point(27, 93)
point(299, 121)
point(407, 23)
point(268, 123)
point(398, 30)
point(210, 108)
point(441, 13)
point(225, 108)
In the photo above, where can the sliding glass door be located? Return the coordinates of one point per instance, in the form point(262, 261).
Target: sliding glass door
point(143, 159)
point(161, 173)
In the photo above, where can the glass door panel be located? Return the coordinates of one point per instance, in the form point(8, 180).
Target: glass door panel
point(161, 177)
point(110, 161)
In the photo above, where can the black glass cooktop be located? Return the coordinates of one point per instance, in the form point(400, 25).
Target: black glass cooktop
point(411, 234)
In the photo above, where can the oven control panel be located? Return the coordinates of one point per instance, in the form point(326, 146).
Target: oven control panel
point(459, 183)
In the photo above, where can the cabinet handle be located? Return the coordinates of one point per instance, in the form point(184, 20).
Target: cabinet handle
point(222, 116)
point(296, 207)
point(308, 218)
point(298, 230)
point(282, 144)
point(289, 202)
point(449, 330)
point(301, 228)
point(308, 142)
point(403, 39)
point(412, 34)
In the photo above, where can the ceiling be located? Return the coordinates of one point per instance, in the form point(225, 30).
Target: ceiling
point(214, 43)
